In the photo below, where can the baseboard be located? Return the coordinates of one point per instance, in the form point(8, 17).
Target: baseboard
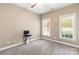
point(11, 46)
point(33, 39)
point(73, 45)
point(17, 44)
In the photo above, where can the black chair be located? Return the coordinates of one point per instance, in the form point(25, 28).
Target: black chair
point(26, 35)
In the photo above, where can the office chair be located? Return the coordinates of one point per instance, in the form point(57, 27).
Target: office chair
point(26, 35)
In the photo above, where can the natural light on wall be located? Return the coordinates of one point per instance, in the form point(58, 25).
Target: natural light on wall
point(68, 26)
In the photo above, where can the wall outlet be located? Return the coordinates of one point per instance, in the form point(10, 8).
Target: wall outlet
point(8, 42)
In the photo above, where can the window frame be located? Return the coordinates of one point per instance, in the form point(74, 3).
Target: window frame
point(47, 35)
point(74, 27)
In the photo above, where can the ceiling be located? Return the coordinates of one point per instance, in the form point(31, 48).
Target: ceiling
point(43, 8)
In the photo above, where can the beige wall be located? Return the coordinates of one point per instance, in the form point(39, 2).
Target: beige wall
point(54, 16)
point(13, 21)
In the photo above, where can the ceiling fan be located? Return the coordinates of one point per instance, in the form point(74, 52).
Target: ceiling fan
point(33, 5)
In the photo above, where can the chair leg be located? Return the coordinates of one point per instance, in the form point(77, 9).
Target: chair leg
point(25, 40)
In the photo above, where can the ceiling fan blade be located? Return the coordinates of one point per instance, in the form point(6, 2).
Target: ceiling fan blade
point(33, 5)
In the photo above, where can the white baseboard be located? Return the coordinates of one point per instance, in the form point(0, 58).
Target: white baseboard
point(14, 45)
point(17, 44)
point(33, 39)
point(11, 46)
point(73, 45)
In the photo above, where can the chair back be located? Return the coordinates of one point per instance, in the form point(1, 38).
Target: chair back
point(26, 32)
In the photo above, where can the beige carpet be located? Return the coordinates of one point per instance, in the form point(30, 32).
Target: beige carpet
point(41, 47)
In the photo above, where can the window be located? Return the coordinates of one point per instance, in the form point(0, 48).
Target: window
point(46, 27)
point(67, 26)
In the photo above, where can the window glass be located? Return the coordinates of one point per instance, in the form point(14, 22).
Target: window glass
point(67, 26)
point(46, 26)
